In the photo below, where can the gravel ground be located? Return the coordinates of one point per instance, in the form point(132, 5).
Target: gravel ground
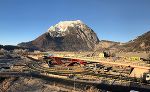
point(32, 85)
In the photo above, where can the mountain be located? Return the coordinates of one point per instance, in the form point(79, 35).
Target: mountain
point(65, 36)
point(141, 43)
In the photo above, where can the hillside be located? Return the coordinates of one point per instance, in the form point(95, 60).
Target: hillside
point(141, 43)
point(10, 47)
point(106, 45)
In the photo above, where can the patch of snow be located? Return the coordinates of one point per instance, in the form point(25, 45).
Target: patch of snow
point(63, 25)
point(61, 28)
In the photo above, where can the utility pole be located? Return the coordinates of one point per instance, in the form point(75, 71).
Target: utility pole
point(74, 84)
point(74, 79)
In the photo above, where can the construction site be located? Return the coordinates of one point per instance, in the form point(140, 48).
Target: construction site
point(79, 70)
point(99, 68)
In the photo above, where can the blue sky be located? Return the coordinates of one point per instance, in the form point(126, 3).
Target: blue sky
point(116, 20)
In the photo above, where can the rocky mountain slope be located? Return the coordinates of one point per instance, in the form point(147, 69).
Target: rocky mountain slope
point(141, 43)
point(65, 36)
